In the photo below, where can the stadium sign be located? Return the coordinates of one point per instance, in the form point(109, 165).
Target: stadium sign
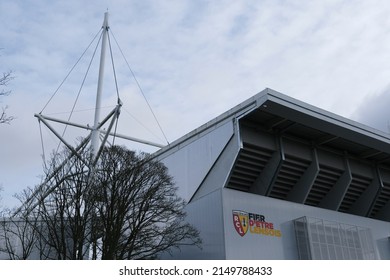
point(254, 224)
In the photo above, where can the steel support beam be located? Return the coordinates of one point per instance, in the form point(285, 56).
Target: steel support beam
point(336, 195)
point(362, 205)
point(266, 179)
point(301, 189)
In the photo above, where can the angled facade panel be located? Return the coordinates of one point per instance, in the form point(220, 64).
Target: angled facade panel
point(189, 163)
point(273, 160)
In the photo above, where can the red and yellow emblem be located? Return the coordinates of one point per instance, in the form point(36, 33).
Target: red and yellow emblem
point(241, 221)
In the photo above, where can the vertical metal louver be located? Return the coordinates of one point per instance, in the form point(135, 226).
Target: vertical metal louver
point(357, 186)
point(249, 164)
point(326, 179)
point(381, 200)
point(291, 171)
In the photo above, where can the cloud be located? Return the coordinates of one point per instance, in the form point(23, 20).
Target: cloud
point(373, 110)
point(193, 60)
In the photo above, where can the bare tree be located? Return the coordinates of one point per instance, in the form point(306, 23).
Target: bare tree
point(124, 207)
point(66, 208)
point(4, 81)
point(18, 237)
point(18, 234)
point(140, 213)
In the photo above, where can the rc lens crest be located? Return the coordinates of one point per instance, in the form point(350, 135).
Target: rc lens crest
point(241, 221)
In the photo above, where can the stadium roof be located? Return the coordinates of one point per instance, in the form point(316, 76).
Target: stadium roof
point(322, 159)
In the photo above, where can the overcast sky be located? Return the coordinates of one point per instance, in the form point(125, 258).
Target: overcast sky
point(193, 59)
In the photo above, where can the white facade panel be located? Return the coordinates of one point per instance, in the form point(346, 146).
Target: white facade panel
point(280, 241)
point(285, 160)
point(190, 164)
point(206, 215)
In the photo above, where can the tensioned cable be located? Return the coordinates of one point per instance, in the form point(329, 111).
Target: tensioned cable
point(116, 128)
point(78, 111)
point(141, 124)
point(43, 146)
point(140, 89)
point(71, 70)
point(80, 89)
point(113, 67)
point(116, 86)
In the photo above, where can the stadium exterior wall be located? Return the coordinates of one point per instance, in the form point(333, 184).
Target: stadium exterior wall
point(213, 215)
point(252, 178)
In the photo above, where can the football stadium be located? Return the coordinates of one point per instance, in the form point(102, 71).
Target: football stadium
point(276, 178)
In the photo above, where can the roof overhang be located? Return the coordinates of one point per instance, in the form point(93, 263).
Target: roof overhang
point(309, 177)
point(319, 127)
point(300, 119)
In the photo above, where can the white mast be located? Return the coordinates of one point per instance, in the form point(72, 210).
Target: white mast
point(95, 130)
point(94, 137)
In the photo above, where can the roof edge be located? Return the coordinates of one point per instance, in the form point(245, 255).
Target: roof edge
point(271, 95)
point(328, 116)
